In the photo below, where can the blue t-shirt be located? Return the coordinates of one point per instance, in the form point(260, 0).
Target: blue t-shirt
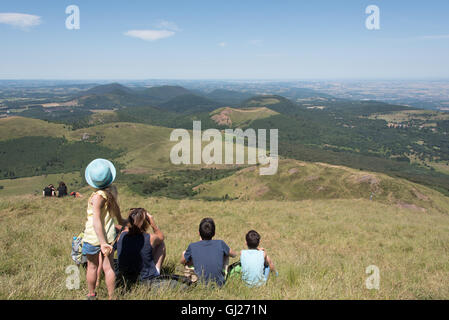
point(207, 257)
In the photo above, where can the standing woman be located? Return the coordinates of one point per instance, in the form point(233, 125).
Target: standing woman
point(99, 232)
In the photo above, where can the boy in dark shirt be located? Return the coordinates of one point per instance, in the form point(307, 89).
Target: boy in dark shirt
point(208, 256)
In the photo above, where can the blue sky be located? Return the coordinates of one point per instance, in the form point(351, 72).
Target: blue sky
point(245, 39)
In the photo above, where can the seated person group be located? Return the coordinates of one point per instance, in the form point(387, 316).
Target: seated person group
point(140, 254)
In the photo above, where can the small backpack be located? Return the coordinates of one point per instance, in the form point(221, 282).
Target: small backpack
point(234, 270)
point(77, 248)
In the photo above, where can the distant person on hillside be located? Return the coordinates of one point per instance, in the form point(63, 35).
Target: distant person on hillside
point(99, 232)
point(62, 190)
point(255, 262)
point(208, 257)
point(140, 254)
point(49, 191)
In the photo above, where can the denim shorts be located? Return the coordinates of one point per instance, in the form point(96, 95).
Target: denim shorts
point(90, 249)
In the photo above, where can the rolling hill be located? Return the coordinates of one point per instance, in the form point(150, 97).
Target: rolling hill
point(19, 127)
point(274, 102)
point(112, 88)
point(233, 117)
point(322, 223)
point(228, 97)
point(189, 103)
point(296, 180)
point(164, 93)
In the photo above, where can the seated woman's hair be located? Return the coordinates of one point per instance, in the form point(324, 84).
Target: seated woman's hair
point(137, 221)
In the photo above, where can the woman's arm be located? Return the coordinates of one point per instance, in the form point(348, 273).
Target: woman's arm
point(158, 236)
point(97, 203)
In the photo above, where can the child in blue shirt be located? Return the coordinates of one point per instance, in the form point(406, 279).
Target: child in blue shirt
point(256, 264)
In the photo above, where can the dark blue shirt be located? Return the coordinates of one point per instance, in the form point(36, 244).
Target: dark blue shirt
point(207, 257)
point(135, 257)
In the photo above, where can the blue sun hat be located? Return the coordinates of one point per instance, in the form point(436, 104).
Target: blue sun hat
point(100, 173)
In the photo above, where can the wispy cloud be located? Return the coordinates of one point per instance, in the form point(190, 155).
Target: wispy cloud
point(163, 29)
point(167, 25)
point(222, 44)
point(149, 35)
point(20, 20)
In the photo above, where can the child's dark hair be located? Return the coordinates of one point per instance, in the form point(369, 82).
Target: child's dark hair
point(137, 221)
point(207, 229)
point(252, 239)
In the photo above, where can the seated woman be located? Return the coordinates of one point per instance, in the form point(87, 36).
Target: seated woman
point(139, 254)
point(62, 190)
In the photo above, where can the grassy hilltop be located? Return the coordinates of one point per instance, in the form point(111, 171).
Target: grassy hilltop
point(321, 247)
point(322, 224)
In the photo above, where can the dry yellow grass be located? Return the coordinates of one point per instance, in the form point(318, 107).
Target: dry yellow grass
point(320, 247)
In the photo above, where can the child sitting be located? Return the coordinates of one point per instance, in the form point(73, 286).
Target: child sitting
point(256, 264)
point(208, 256)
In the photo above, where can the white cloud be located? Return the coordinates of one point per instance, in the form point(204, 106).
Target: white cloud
point(222, 44)
point(20, 20)
point(149, 35)
point(168, 25)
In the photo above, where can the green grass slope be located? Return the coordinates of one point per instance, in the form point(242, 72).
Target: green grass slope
point(144, 147)
point(35, 185)
point(19, 127)
point(321, 248)
point(296, 180)
point(233, 117)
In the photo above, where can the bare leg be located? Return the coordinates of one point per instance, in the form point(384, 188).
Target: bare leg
point(99, 270)
point(159, 254)
point(109, 274)
point(91, 273)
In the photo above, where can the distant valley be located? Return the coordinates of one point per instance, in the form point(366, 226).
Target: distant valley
point(397, 140)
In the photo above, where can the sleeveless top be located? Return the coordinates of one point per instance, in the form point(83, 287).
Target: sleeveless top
point(135, 256)
point(106, 220)
point(252, 266)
